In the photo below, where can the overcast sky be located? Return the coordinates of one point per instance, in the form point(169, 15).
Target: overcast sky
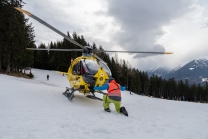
point(178, 26)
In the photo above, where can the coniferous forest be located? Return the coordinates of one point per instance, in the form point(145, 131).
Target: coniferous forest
point(16, 34)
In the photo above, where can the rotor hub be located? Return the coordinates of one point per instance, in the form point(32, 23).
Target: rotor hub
point(87, 50)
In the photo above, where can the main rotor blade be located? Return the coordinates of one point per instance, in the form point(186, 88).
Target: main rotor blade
point(98, 51)
point(43, 49)
point(134, 52)
point(49, 26)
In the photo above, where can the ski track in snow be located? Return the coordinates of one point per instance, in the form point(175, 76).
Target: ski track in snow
point(35, 108)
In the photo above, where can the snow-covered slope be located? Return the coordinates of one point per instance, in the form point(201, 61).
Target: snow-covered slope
point(36, 109)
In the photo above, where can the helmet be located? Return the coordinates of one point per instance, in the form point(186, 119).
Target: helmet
point(110, 79)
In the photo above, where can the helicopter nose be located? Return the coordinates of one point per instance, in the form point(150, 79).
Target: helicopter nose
point(101, 76)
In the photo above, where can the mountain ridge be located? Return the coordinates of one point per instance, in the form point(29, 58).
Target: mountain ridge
point(195, 71)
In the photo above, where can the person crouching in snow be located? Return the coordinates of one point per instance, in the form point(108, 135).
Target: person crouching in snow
point(113, 96)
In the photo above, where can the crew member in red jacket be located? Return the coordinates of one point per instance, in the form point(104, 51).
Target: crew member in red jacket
point(113, 96)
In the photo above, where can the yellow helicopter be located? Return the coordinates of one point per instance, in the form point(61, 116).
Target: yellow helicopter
point(86, 71)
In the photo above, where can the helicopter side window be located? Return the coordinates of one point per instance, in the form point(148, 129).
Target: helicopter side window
point(77, 69)
point(106, 68)
point(74, 69)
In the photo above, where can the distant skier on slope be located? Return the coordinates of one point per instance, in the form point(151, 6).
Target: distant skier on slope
point(47, 77)
point(113, 96)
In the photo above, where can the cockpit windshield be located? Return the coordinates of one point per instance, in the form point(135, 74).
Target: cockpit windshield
point(90, 66)
point(106, 68)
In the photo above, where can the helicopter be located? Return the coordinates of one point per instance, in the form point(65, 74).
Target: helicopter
point(86, 71)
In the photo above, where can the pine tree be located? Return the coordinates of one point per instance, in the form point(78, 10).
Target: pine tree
point(206, 92)
point(16, 35)
point(194, 92)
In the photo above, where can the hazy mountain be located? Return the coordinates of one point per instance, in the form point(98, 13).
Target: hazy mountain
point(196, 71)
point(161, 71)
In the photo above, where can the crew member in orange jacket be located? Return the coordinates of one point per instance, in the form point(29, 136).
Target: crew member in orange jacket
point(113, 96)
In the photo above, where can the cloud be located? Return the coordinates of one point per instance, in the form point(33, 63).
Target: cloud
point(142, 21)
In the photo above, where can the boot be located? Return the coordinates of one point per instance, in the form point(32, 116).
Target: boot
point(123, 110)
point(107, 109)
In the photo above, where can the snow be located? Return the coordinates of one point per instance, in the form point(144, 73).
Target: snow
point(204, 80)
point(36, 109)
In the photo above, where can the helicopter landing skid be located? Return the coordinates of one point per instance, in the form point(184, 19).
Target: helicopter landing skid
point(69, 93)
point(102, 92)
point(94, 97)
